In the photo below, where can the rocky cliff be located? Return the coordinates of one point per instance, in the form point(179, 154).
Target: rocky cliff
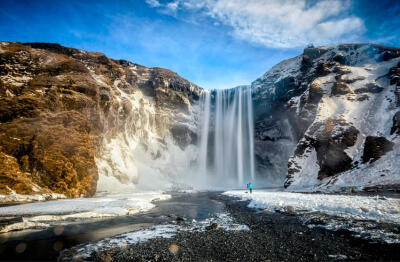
point(66, 113)
point(339, 106)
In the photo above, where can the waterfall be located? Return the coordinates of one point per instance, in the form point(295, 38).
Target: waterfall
point(205, 108)
point(226, 144)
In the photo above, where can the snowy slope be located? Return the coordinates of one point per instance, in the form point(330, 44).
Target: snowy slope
point(334, 98)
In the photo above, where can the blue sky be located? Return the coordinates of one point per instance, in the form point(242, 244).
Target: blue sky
point(213, 43)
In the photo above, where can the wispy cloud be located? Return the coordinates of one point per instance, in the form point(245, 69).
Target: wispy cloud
point(278, 23)
point(153, 3)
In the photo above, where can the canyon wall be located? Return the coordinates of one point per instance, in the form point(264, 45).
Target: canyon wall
point(68, 116)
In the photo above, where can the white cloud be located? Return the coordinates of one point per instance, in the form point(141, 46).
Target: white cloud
point(173, 6)
point(279, 23)
point(153, 3)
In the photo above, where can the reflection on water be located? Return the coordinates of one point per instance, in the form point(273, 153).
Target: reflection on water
point(46, 244)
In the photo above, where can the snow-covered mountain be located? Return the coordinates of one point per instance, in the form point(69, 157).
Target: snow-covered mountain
point(339, 106)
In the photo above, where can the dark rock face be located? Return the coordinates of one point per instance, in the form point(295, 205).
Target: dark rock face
point(329, 139)
point(314, 52)
point(331, 155)
point(390, 54)
point(183, 135)
point(340, 88)
point(369, 88)
point(375, 147)
point(394, 74)
point(396, 124)
point(332, 138)
point(58, 103)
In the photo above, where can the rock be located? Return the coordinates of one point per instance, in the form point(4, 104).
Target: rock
point(213, 226)
point(183, 136)
point(375, 147)
point(390, 54)
point(313, 52)
point(322, 70)
point(363, 98)
point(340, 59)
point(336, 136)
point(290, 209)
point(396, 124)
point(353, 80)
point(340, 88)
point(306, 63)
point(180, 219)
point(369, 88)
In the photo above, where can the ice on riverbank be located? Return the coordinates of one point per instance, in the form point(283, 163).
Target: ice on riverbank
point(352, 211)
point(360, 207)
point(18, 198)
point(81, 208)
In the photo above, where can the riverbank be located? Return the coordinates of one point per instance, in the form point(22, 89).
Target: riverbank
point(272, 237)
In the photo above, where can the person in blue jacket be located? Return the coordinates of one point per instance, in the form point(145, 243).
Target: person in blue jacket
point(251, 187)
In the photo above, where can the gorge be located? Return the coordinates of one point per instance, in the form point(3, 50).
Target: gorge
point(75, 123)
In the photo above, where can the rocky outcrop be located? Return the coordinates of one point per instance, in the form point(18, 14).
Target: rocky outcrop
point(375, 147)
point(396, 124)
point(333, 137)
point(328, 139)
point(59, 105)
point(340, 88)
point(394, 74)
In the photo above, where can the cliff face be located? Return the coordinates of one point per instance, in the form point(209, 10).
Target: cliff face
point(60, 107)
point(341, 104)
point(73, 122)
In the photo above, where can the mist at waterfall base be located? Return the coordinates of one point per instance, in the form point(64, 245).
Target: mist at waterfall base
point(142, 158)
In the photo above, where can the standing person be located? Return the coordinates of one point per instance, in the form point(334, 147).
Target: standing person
point(251, 187)
point(247, 187)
